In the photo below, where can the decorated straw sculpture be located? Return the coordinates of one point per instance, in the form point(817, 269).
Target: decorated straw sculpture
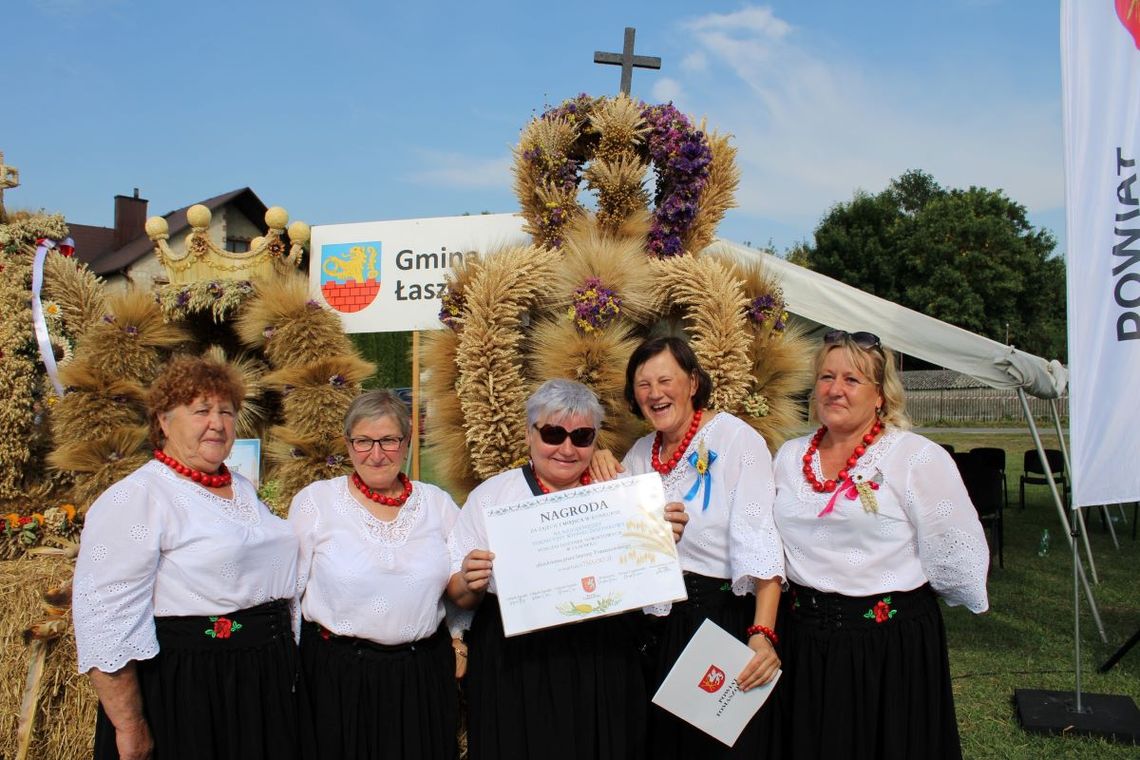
point(594, 285)
point(299, 369)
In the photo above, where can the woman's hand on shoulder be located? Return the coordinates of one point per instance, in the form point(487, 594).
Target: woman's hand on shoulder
point(604, 466)
point(677, 518)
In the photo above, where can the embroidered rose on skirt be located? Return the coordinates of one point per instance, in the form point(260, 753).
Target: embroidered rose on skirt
point(881, 612)
point(223, 627)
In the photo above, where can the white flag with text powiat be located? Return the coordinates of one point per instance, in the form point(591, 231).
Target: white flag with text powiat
point(1100, 67)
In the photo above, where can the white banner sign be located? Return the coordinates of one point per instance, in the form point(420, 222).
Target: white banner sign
point(388, 276)
point(1100, 52)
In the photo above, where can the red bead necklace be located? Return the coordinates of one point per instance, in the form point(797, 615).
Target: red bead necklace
point(220, 480)
point(666, 468)
point(379, 498)
point(584, 480)
point(830, 485)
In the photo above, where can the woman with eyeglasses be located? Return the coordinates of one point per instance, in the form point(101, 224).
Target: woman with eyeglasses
point(718, 469)
point(373, 567)
point(876, 525)
point(575, 691)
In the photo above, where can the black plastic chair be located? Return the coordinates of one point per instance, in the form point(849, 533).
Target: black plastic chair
point(985, 485)
point(1034, 473)
point(995, 458)
point(948, 446)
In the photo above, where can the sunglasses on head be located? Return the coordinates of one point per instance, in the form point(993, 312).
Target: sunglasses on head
point(863, 340)
point(554, 435)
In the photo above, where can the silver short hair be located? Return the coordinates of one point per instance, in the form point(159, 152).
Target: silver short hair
point(372, 405)
point(558, 399)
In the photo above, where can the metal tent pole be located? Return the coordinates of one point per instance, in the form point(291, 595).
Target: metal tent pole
point(1080, 513)
point(1061, 510)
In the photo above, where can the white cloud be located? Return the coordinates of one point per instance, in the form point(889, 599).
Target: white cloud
point(456, 170)
point(811, 129)
point(694, 63)
point(666, 89)
point(761, 20)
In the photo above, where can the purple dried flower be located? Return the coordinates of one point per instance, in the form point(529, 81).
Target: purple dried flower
point(109, 319)
point(131, 330)
point(267, 333)
point(769, 308)
point(337, 381)
point(594, 306)
point(182, 298)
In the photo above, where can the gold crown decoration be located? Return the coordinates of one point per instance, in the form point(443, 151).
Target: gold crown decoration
point(205, 260)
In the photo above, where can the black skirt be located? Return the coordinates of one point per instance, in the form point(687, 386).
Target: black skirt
point(866, 677)
point(575, 692)
point(371, 701)
point(671, 737)
point(224, 687)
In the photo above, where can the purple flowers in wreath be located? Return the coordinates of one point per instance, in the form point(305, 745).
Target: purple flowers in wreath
point(768, 310)
point(594, 306)
point(680, 155)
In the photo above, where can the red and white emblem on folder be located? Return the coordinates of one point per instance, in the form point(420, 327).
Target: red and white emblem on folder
point(589, 584)
point(713, 680)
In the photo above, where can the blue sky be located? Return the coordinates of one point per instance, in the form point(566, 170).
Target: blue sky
point(346, 110)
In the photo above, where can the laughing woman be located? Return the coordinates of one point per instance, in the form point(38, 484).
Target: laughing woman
point(731, 555)
point(373, 568)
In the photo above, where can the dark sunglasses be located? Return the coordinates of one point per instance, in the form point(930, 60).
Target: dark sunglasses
point(863, 340)
point(554, 435)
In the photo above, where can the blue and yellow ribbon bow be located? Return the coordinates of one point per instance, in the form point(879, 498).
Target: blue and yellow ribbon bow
point(701, 460)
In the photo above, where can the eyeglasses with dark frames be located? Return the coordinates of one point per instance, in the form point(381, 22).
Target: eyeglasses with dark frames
point(363, 445)
point(864, 340)
point(554, 435)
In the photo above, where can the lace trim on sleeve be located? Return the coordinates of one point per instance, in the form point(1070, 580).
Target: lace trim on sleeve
point(114, 632)
point(954, 562)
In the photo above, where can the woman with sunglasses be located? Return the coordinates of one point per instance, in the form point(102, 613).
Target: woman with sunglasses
point(876, 524)
point(575, 691)
point(373, 567)
point(720, 469)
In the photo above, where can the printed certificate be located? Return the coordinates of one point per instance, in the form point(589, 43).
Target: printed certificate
point(583, 553)
point(701, 688)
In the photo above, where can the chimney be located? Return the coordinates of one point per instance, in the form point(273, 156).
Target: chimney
point(130, 218)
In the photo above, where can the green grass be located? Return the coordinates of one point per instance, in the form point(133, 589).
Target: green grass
point(1026, 638)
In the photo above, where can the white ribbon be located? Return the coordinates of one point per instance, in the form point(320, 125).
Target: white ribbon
point(38, 320)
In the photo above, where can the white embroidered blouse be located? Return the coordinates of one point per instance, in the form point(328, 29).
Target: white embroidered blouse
point(470, 530)
point(734, 537)
point(155, 544)
point(925, 529)
point(369, 578)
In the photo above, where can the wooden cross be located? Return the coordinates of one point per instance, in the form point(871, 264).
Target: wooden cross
point(9, 178)
point(627, 60)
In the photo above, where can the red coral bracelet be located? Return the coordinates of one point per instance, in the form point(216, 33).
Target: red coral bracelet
point(764, 631)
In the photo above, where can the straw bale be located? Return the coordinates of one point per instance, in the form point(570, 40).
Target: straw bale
point(65, 721)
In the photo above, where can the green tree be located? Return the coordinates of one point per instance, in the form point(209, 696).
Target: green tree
point(968, 257)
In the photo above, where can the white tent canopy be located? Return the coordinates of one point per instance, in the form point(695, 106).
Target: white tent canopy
point(821, 299)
